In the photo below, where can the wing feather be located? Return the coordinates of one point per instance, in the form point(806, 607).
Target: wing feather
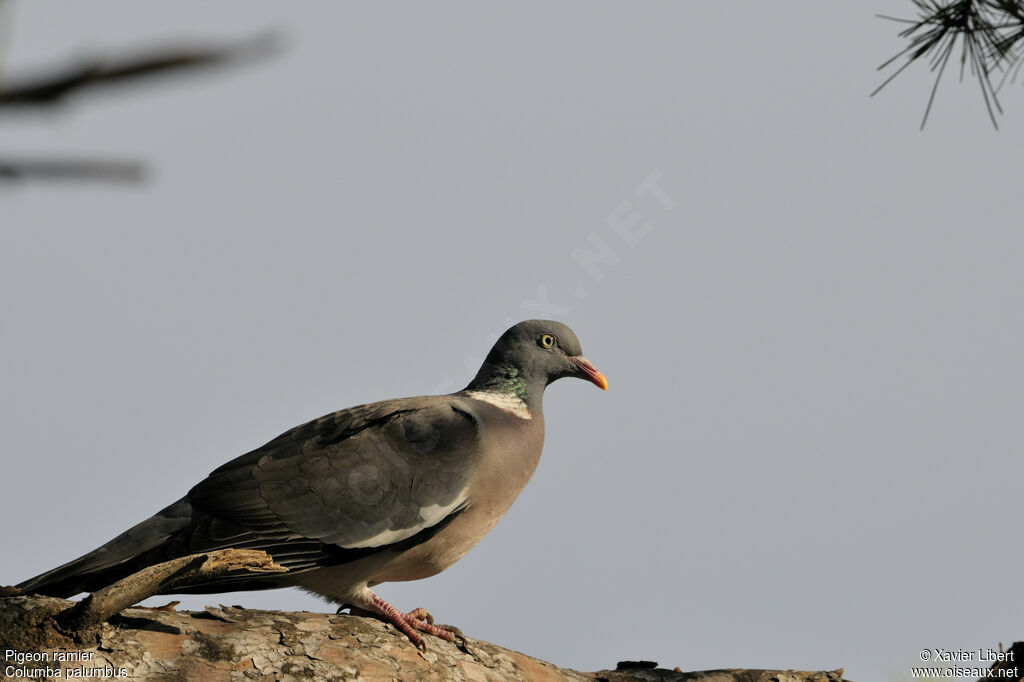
point(363, 478)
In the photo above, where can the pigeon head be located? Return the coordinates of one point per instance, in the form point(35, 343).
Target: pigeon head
point(531, 355)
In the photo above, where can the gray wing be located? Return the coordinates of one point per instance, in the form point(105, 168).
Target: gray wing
point(359, 479)
point(381, 476)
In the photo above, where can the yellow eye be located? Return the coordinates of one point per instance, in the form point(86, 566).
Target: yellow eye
point(547, 341)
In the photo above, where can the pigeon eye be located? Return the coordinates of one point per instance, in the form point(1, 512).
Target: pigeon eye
point(547, 341)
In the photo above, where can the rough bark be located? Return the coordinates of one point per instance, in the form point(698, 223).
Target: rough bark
point(232, 643)
point(101, 637)
point(103, 604)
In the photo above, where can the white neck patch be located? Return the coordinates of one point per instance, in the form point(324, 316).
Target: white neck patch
point(503, 401)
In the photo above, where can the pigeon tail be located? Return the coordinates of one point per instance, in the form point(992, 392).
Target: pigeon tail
point(114, 560)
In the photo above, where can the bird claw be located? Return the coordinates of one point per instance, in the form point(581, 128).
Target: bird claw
point(458, 638)
point(452, 629)
point(419, 614)
point(417, 619)
point(424, 622)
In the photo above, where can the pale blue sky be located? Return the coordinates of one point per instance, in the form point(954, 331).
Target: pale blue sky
point(809, 453)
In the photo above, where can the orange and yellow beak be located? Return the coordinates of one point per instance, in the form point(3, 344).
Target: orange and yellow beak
point(590, 371)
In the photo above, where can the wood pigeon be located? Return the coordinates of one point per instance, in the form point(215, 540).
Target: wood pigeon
point(388, 491)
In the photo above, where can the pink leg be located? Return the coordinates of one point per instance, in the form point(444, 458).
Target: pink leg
point(417, 619)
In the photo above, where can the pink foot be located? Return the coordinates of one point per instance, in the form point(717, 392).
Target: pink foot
point(417, 619)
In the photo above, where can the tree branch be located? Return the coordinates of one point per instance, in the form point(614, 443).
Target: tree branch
point(232, 642)
point(12, 170)
point(101, 605)
point(989, 34)
point(55, 89)
point(58, 87)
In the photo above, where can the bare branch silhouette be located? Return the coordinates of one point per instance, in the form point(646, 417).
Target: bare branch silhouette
point(107, 170)
point(63, 83)
point(54, 89)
